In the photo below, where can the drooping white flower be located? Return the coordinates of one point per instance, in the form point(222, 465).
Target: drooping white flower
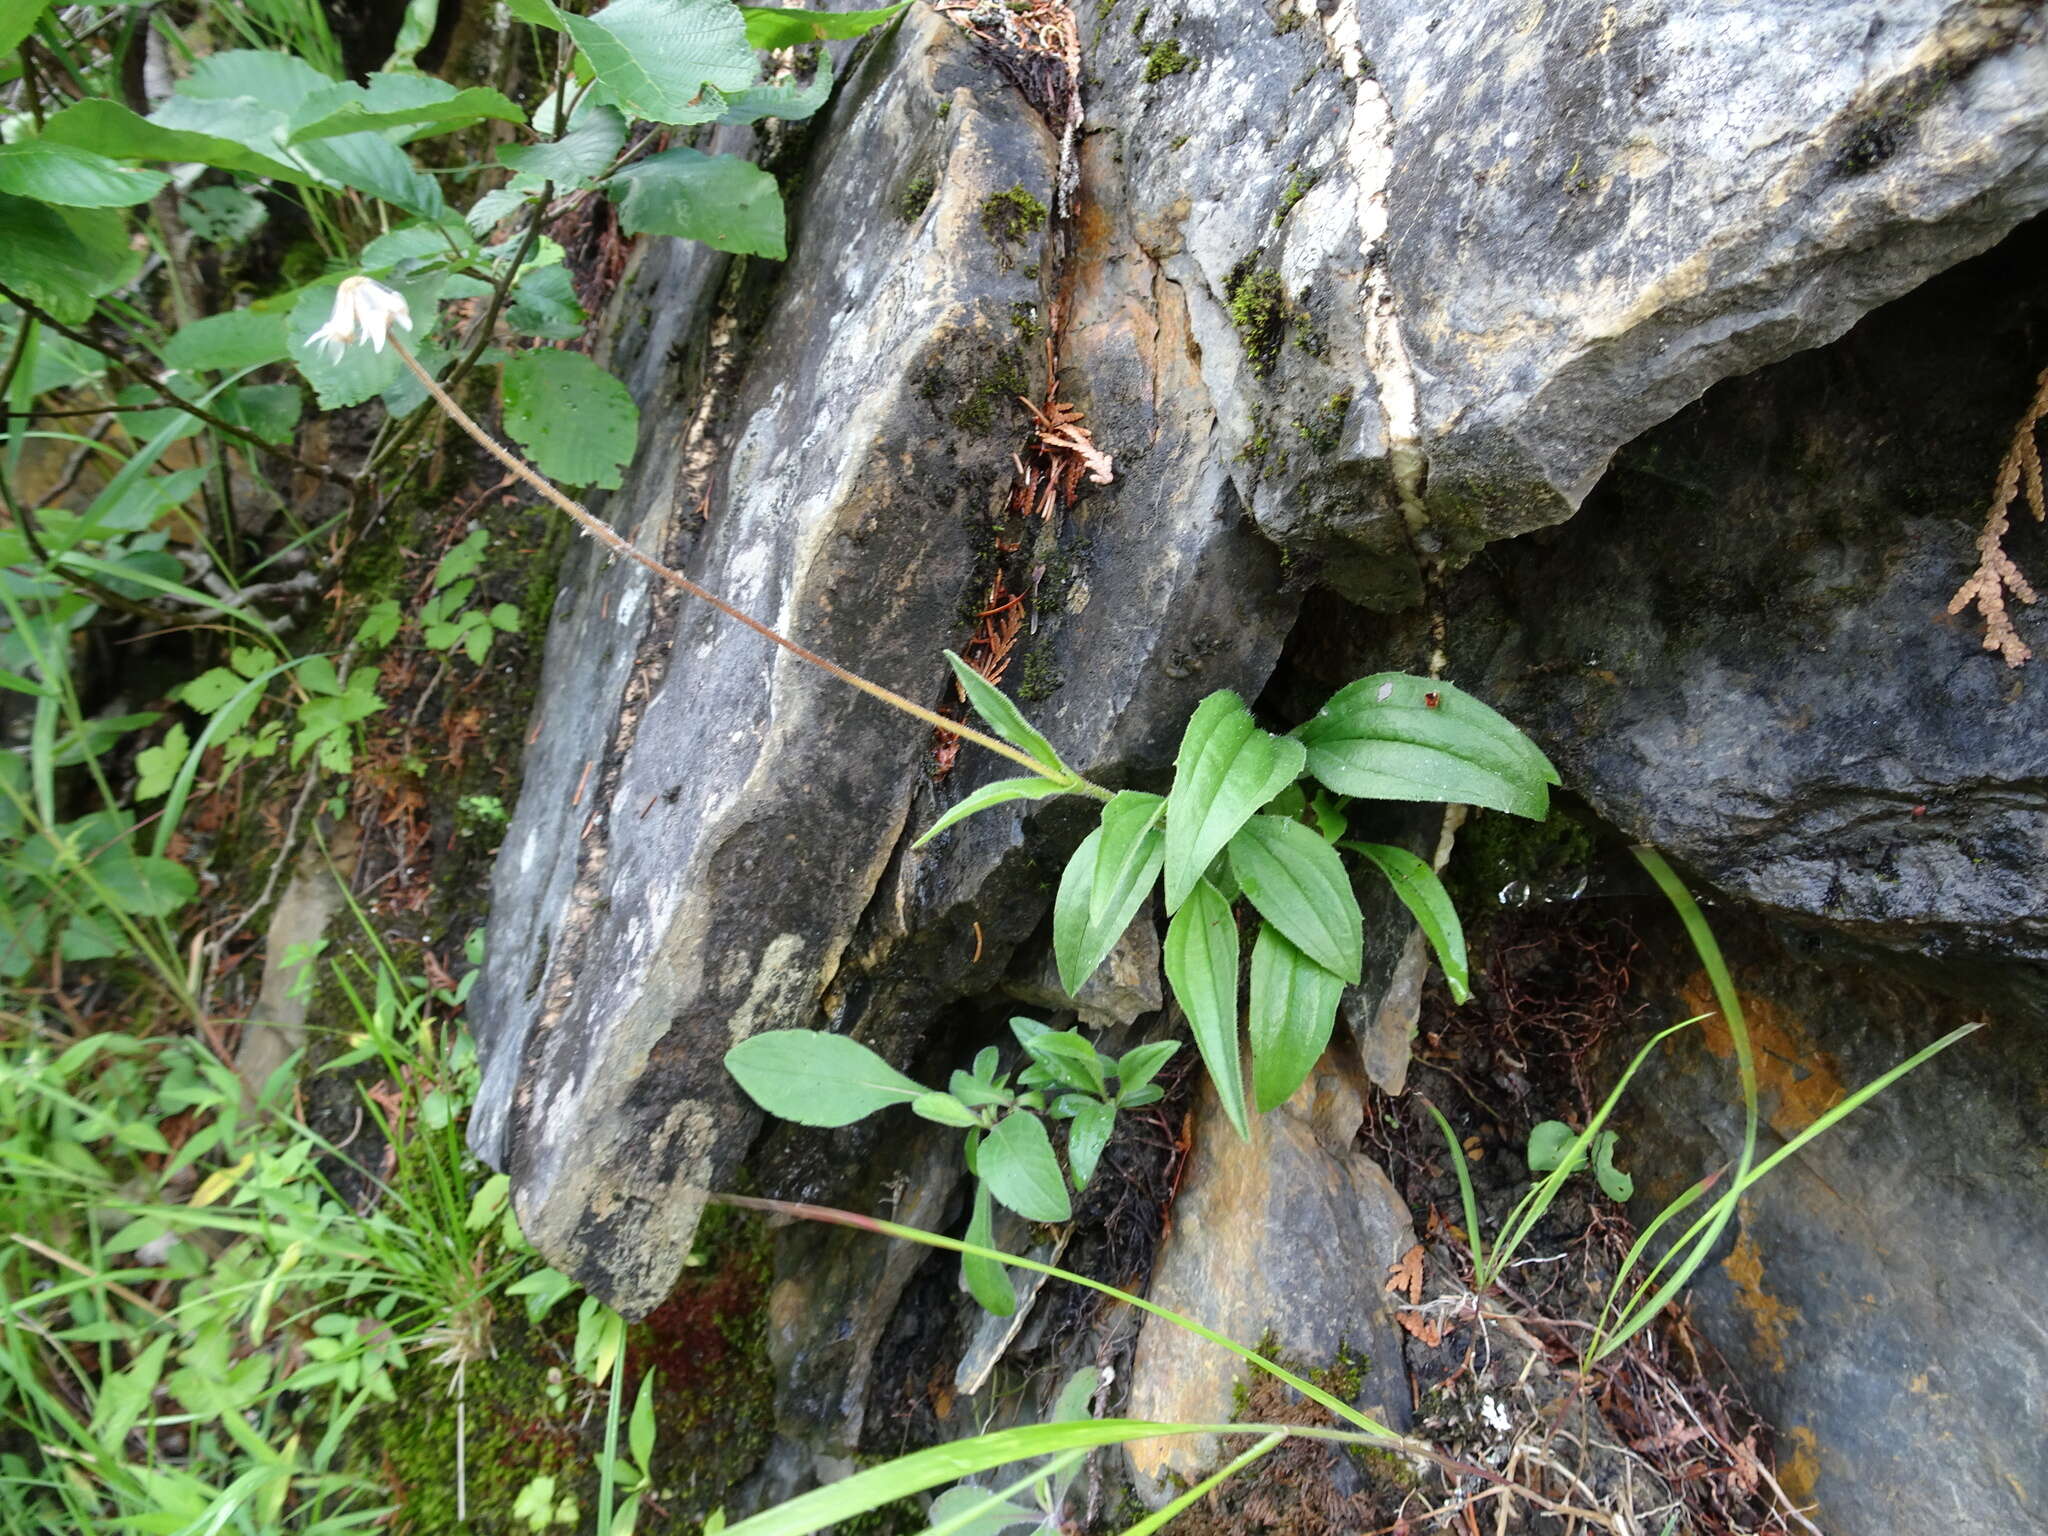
point(364, 309)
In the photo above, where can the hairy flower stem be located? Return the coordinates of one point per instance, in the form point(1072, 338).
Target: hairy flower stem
point(606, 535)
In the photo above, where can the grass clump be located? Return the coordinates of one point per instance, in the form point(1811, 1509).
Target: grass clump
point(914, 198)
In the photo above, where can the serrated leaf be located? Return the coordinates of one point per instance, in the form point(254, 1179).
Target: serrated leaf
point(143, 885)
point(786, 99)
point(74, 177)
point(1423, 894)
point(63, 258)
point(1226, 769)
point(1382, 738)
point(1201, 966)
point(575, 421)
point(396, 99)
point(157, 767)
point(1016, 1161)
point(371, 163)
point(230, 342)
point(655, 57)
point(1002, 716)
point(223, 214)
point(1087, 1134)
point(768, 27)
point(544, 304)
point(1298, 883)
point(1130, 827)
point(595, 136)
point(1081, 941)
point(813, 1078)
point(987, 1281)
point(1293, 1010)
point(109, 128)
point(724, 201)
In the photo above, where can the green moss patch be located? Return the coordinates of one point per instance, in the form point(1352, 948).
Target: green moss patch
point(1009, 218)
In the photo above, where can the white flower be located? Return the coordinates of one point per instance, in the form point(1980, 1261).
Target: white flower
point(364, 309)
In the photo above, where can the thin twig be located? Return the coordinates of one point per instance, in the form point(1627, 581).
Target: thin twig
point(604, 533)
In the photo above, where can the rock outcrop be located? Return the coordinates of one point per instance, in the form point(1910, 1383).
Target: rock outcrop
point(1350, 299)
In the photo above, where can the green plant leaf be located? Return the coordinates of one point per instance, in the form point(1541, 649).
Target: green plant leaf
point(1227, 768)
point(539, 13)
point(397, 99)
point(1080, 941)
point(108, 128)
point(768, 27)
point(1135, 1068)
point(1087, 1134)
point(544, 304)
point(1430, 904)
point(63, 258)
point(1293, 1010)
point(223, 215)
point(655, 57)
point(1298, 883)
point(157, 767)
point(595, 136)
point(1002, 716)
point(1071, 1059)
point(989, 1517)
point(1201, 965)
point(785, 99)
point(1382, 738)
point(230, 342)
point(143, 885)
point(359, 374)
point(640, 1428)
point(813, 1078)
point(728, 203)
point(987, 1281)
point(1016, 1161)
point(1549, 1141)
point(371, 163)
point(944, 1109)
point(74, 177)
point(575, 421)
point(17, 19)
point(1130, 829)
point(998, 793)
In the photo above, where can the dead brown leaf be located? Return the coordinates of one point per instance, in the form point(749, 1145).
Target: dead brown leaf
point(1405, 1273)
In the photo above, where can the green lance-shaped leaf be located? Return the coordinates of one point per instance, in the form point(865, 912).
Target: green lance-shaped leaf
point(1130, 823)
point(575, 421)
point(1430, 904)
point(1298, 883)
point(1136, 1068)
point(998, 793)
point(1087, 1134)
point(728, 203)
point(1003, 717)
point(1383, 738)
point(1201, 965)
point(108, 128)
point(1226, 770)
point(772, 27)
point(813, 1078)
point(655, 57)
point(1016, 1161)
point(1293, 1010)
point(987, 1281)
point(74, 177)
point(1080, 940)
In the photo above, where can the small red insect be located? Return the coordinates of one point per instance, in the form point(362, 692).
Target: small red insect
point(1431, 700)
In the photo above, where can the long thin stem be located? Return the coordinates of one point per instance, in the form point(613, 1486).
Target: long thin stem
point(606, 535)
